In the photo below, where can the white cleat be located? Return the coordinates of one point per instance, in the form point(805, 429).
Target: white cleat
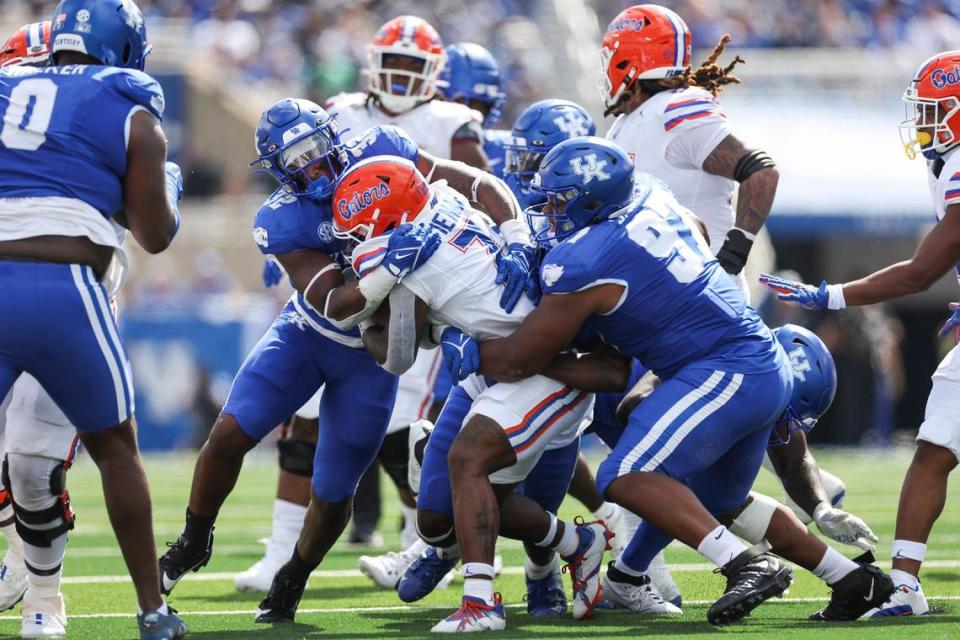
point(43, 617)
point(13, 583)
point(642, 597)
point(474, 615)
point(907, 600)
point(386, 570)
point(593, 539)
point(259, 577)
point(662, 580)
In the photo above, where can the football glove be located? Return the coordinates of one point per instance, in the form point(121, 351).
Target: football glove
point(513, 272)
point(823, 297)
point(461, 353)
point(953, 323)
point(410, 245)
point(272, 272)
point(845, 528)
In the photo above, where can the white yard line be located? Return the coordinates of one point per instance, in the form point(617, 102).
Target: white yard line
point(354, 573)
point(244, 612)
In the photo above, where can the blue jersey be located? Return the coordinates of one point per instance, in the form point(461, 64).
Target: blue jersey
point(64, 131)
point(679, 307)
point(493, 141)
point(287, 223)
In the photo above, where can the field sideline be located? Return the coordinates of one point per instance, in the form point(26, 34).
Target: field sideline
point(340, 603)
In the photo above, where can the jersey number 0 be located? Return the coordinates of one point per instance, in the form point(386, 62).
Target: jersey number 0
point(28, 114)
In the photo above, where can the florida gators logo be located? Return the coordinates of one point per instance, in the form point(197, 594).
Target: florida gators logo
point(941, 78)
point(347, 208)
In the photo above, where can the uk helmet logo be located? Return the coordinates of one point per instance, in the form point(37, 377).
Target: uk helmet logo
point(589, 167)
point(799, 363)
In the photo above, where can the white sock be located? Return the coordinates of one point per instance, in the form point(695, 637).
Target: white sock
point(287, 520)
point(538, 572)
point(551, 532)
point(14, 555)
point(909, 549)
point(479, 588)
point(720, 546)
point(44, 586)
point(606, 512)
point(568, 541)
point(409, 520)
point(900, 576)
point(834, 566)
point(620, 565)
point(163, 609)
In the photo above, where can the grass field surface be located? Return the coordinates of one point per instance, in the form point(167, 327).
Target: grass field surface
point(341, 603)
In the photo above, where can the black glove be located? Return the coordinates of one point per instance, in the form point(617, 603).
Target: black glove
point(733, 254)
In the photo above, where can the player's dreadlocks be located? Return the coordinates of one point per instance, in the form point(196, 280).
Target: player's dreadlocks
point(708, 76)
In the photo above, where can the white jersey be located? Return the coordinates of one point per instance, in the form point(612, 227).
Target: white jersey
point(458, 282)
point(669, 136)
point(431, 124)
point(944, 182)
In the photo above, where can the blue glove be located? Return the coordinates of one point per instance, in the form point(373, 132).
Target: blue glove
point(410, 245)
point(513, 272)
point(953, 323)
point(461, 353)
point(803, 294)
point(272, 272)
point(174, 183)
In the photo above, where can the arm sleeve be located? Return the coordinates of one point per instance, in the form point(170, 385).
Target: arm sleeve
point(697, 140)
point(402, 332)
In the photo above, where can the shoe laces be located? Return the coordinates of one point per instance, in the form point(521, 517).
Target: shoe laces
point(473, 608)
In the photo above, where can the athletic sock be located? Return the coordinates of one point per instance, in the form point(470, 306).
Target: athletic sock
point(478, 581)
point(623, 573)
point(834, 566)
point(720, 546)
point(606, 512)
point(621, 567)
point(298, 568)
point(539, 572)
point(567, 545)
point(197, 528)
point(902, 577)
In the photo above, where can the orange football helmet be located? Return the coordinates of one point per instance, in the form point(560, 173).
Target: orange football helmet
point(377, 195)
point(644, 42)
point(30, 44)
point(932, 102)
point(399, 90)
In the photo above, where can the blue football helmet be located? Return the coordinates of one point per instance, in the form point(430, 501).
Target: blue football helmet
point(292, 138)
point(472, 75)
point(584, 180)
point(112, 31)
point(542, 126)
point(814, 380)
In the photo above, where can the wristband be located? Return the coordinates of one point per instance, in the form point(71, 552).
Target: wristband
point(515, 232)
point(836, 300)
point(376, 285)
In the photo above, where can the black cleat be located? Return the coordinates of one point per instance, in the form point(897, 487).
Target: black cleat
point(753, 577)
point(282, 600)
point(182, 556)
point(856, 593)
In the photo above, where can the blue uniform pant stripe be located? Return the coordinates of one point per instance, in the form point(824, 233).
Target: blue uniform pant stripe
point(106, 317)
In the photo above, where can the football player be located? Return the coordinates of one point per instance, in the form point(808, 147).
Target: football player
point(931, 129)
point(471, 76)
point(529, 416)
point(95, 116)
point(669, 120)
point(625, 264)
point(857, 586)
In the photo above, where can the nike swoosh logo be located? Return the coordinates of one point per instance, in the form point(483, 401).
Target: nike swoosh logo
point(869, 596)
point(168, 584)
point(717, 537)
point(403, 255)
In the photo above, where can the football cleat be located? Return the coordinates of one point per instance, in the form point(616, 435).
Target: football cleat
point(906, 600)
point(43, 617)
point(662, 580)
point(545, 596)
point(182, 556)
point(424, 574)
point(13, 583)
point(636, 593)
point(386, 570)
point(282, 600)
point(856, 593)
point(158, 626)
point(474, 615)
point(584, 564)
point(753, 577)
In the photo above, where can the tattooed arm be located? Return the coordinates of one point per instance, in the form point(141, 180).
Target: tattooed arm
point(758, 177)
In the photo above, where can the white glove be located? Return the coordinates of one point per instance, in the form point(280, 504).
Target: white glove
point(843, 527)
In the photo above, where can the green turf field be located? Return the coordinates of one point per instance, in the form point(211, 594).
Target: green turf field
point(340, 603)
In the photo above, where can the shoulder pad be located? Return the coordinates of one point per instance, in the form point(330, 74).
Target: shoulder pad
point(383, 140)
point(691, 105)
point(570, 266)
point(286, 223)
point(135, 86)
point(454, 111)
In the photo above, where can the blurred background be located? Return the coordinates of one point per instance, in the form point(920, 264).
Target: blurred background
point(821, 93)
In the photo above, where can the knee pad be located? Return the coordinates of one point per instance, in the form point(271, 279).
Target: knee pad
point(439, 539)
point(394, 457)
point(296, 457)
point(754, 520)
point(41, 502)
